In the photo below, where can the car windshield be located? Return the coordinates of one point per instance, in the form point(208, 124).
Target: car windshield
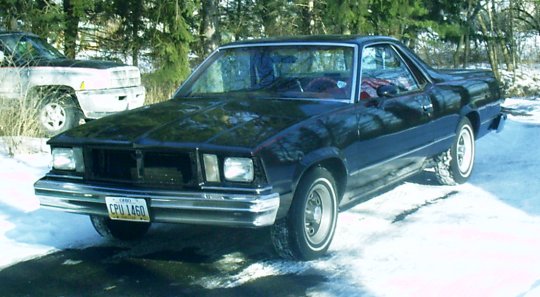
point(273, 71)
point(30, 48)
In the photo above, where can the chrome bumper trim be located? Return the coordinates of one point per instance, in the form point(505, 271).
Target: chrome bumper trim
point(244, 190)
point(209, 208)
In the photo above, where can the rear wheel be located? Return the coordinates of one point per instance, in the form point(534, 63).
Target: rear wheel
point(122, 230)
point(307, 231)
point(58, 113)
point(455, 165)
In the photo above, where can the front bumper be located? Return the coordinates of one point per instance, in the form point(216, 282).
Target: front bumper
point(251, 209)
point(99, 103)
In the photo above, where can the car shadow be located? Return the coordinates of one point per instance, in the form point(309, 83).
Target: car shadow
point(426, 178)
point(172, 260)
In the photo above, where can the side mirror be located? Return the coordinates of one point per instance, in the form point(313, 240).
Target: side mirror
point(387, 91)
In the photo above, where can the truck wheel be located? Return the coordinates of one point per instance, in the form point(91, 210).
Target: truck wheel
point(307, 231)
point(121, 230)
point(58, 113)
point(455, 165)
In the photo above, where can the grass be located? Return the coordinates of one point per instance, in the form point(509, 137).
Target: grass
point(18, 118)
point(155, 94)
point(157, 90)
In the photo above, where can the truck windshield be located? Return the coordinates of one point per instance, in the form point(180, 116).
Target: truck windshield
point(275, 71)
point(24, 47)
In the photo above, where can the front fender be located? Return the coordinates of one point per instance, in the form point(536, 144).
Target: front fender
point(329, 156)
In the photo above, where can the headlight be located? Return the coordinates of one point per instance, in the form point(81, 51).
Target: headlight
point(238, 169)
point(211, 168)
point(68, 159)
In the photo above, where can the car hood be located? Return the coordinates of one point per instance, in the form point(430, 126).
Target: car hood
point(90, 64)
point(243, 123)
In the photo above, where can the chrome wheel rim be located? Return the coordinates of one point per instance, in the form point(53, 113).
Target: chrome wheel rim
point(318, 214)
point(53, 116)
point(465, 150)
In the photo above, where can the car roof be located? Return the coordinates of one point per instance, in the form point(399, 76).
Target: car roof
point(350, 39)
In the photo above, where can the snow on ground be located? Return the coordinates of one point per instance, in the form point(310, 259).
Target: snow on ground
point(25, 230)
point(525, 110)
point(523, 82)
point(419, 239)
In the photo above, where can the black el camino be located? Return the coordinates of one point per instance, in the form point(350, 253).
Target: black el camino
point(282, 133)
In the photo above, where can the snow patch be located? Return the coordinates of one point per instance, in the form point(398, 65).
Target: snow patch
point(251, 273)
point(525, 110)
point(26, 231)
point(524, 82)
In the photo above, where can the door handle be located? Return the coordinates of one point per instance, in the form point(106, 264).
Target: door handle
point(428, 108)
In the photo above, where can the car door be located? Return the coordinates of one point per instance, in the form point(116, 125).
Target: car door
point(11, 76)
point(393, 113)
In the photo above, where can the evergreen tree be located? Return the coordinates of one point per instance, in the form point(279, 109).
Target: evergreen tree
point(347, 17)
point(74, 13)
point(170, 37)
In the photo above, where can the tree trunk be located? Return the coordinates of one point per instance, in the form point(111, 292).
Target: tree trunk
point(506, 55)
point(39, 27)
point(457, 53)
point(209, 26)
point(512, 39)
point(72, 29)
point(239, 8)
point(500, 40)
point(136, 24)
point(473, 8)
point(467, 49)
point(13, 26)
point(310, 17)
point(491, 48)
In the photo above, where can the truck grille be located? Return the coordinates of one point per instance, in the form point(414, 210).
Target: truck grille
point(175, 169)
point(125, 77)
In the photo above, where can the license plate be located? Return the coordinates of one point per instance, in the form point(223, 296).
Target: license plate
point(127, 209)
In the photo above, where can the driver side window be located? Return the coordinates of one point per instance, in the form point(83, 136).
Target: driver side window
point(382, 66)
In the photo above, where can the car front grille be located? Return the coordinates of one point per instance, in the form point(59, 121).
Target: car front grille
point(168, 169)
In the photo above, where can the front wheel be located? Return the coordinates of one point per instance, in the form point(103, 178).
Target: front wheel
point(455, 165)
point(58, 113)
point(121, 230)
point(307, 231)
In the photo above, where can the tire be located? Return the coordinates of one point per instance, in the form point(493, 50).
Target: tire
point(58, 113)
point(308, 229)
point(121, 230)
point(455, 166)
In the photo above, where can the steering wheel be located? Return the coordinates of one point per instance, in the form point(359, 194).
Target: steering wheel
point(321, 84)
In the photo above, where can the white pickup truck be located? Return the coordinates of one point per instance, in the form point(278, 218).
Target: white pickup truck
point(68, 91)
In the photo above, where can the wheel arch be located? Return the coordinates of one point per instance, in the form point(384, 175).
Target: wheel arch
point(473, 116)
point(64, 96)
point(40, 91)
point(330, 159)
